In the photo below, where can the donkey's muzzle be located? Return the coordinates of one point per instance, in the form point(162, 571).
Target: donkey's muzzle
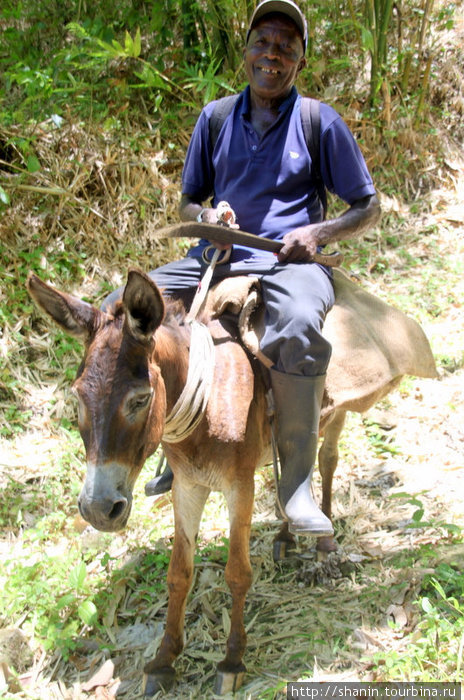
point(105, 500)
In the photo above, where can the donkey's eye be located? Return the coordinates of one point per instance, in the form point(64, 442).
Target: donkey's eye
point(137, 402)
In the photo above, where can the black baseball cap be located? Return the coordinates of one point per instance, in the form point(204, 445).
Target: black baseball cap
point(284, 7)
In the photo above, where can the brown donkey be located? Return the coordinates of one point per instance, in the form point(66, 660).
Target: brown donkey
point(133, 372)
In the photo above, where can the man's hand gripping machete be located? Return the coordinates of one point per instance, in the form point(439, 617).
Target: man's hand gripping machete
point(223, 234)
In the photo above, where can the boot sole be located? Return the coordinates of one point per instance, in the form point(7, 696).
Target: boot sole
point(322, 532)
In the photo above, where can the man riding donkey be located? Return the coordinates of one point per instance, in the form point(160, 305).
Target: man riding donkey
point(260, 164)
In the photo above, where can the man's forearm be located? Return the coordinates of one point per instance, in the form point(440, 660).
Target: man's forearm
point(361, 216)
point(188, 208)
point(300, 245)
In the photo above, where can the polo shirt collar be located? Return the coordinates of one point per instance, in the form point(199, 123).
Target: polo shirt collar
point(286, 104)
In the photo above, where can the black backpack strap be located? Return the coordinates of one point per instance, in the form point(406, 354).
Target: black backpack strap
point(221, 111)
point(311, 123)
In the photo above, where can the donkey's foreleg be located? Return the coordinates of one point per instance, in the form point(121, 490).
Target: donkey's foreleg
point(189, 502)
point(238, 577)
point(328, 460)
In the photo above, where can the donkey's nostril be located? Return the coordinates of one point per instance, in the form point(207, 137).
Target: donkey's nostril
point(117, 509)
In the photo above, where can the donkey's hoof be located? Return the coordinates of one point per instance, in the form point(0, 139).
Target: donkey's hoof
point(325, 546)
point(281, 549)
point(228, 681)
point(160, 679)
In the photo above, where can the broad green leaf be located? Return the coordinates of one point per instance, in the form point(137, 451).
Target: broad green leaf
point(137, 44)
point(65, 600)
point(32, 164)
point(77, 576)
point(87, 611)
point(427, 605)
point(3, 196)
point(128, 44)
point(118, 47)
point(367, 39)
point(418, 515)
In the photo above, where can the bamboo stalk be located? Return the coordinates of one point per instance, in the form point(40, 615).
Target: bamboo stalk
point(423, 90)
point(370, 21)
point(427, 9)
point(387, 103)
point(406, 71)
point(383, 30)
point(55, 191)
point(37, 188)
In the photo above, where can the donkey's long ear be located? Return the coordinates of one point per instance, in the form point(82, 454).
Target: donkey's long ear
point(143, 305)
point(76, 317)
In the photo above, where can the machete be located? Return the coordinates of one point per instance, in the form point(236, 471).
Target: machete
point(224, 234)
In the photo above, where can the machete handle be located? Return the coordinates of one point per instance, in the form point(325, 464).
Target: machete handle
point(329, 259)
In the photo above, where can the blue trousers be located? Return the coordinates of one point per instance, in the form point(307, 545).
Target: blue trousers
point(296, 296)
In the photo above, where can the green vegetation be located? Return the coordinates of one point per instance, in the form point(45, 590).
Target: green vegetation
point(434, 649)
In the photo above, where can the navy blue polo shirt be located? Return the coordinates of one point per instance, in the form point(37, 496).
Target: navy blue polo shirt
point(268, 181)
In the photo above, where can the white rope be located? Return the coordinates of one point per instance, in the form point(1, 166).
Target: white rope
point(190, 407)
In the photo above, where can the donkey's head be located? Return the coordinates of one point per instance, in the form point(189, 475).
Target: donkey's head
point(120, 392)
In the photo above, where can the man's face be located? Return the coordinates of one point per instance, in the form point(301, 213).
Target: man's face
point(273, 57)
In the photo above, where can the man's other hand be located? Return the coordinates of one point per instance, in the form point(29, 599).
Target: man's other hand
point(299, 245)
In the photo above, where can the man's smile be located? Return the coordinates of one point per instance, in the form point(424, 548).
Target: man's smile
point(268, 71)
